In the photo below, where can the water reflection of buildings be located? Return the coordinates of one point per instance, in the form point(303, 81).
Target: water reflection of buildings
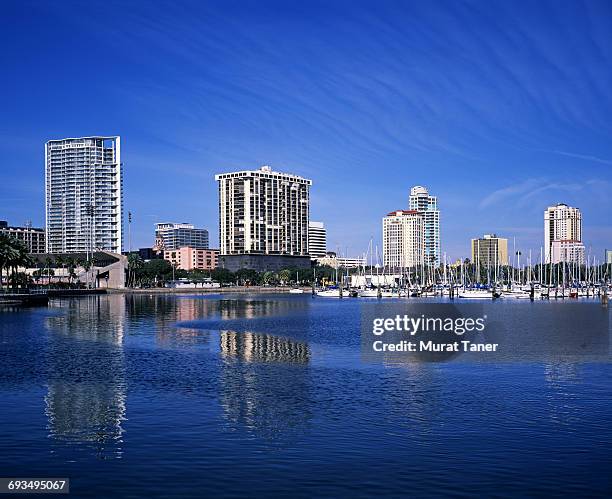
point(265, 385)
point(87, 413)
point(86, 393)
point(167, 311)
point(413, 394)
point(250, 308)
point(94, 318)
point(263, 348)
point(563, 382)
point(187, 310)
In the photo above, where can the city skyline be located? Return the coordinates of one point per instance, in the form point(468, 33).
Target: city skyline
point(525, 128)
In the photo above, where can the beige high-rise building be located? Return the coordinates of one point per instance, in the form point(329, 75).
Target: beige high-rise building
point(403, 239)
point(567, 251)
point(490, 251)
point(561, 223)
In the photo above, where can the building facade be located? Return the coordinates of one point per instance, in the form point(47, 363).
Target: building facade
point(561, 223)
point(342, 262)
point(33, 238)
point(263, 213)
point(84, 195)
point(317, 240)
point(403, 239)
point(188, 258)
point(421, 201)
point(490, 251)
point(567, 251)
point(171, 236)
point(608, 257)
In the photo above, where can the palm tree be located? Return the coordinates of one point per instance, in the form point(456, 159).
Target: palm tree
point(13, 254)
point(60, 262)
point(48, 263)
point(6, 254)
point(284, 276)
point(267, 277)
point(135, 263)
point(72, 264)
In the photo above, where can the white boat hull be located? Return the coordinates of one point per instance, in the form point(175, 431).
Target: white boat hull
point(331, 293)
point(475, 294)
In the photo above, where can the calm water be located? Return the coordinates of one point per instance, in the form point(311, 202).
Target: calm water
point(189, 396)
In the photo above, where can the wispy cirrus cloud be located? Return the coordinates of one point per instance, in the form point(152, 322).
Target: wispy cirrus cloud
point(586, 157)
point(528, 191)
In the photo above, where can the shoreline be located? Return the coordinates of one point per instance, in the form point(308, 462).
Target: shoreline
point(223, 289)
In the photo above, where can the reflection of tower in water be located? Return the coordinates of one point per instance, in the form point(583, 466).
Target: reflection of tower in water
point(86, 396)
point(413, 394)
point(263, 348)
point(182, 310)
point(265, 384)
point(250, 309)
point(563, 384)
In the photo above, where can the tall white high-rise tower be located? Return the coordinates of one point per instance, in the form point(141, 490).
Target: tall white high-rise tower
point(420, 200)
point(84, 195)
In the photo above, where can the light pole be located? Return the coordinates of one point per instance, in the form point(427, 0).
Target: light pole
point(129, 232)
point(90, 208)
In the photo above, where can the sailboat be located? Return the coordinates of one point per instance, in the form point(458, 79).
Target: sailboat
point(330, 293)
point(481, 294)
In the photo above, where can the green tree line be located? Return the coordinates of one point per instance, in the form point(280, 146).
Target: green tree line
point(154, 273)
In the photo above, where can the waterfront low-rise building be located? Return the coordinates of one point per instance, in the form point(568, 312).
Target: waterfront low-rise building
point(188, 258)
point(331, 260)
point(32, 237)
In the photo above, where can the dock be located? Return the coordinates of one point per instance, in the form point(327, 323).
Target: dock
point(37, 299)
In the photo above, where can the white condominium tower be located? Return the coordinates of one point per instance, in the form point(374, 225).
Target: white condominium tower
point(403, 239)
point(84, 195)
point(317, 240)
point(562, 223)
point(262, 212)
point(420, 200)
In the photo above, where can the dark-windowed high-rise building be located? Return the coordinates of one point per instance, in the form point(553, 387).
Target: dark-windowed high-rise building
point(263, 219)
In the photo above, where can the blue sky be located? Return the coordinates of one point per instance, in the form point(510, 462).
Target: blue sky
point(499, 108)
